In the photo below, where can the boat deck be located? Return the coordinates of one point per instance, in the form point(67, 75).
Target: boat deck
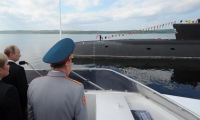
point(105, 105)
point(123, 98)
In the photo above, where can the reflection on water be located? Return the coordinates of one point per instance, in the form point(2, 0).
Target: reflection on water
point(187, 77)
point(174, 77)
point(147, 74)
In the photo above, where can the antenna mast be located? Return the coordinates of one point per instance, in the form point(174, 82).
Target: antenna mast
point(60, 19)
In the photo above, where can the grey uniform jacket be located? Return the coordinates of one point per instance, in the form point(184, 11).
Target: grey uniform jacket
point(54, 97)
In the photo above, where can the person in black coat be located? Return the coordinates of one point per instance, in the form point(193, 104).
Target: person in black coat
point(17, 76)
point(9, 96)
point(101, 38)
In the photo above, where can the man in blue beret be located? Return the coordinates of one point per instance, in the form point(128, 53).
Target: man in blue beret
point(55, 96)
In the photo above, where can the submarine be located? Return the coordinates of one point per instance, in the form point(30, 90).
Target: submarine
point(185, 46)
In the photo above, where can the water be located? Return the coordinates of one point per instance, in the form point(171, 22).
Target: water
point(168, 77)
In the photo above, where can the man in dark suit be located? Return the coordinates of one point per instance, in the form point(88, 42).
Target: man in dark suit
point(17, 76)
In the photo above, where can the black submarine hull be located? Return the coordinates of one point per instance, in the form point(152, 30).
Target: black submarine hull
point(185, 46)
point(146, 49)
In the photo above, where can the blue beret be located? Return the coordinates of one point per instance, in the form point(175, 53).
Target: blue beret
point(60, 51)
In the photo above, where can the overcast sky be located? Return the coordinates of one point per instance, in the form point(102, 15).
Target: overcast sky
point(94, 14)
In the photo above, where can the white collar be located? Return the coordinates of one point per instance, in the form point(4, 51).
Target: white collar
point(54, 71)
point(11, 61)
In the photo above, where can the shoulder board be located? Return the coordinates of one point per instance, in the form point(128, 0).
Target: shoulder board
point(74, 81)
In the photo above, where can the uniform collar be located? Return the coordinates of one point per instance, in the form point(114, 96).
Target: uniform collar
point(57, 73)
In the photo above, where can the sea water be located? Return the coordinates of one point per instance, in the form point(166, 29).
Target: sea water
point(174, 81)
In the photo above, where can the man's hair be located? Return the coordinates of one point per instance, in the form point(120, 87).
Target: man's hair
point(10, 49)
point(58, 65)
point(3, 59)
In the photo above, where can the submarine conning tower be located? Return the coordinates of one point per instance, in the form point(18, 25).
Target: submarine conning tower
point(187, 31)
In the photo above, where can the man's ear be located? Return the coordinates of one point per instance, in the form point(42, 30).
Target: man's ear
point(10, 55)
point(66, 65)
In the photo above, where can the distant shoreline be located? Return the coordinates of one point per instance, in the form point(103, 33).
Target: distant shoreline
point(163, 31)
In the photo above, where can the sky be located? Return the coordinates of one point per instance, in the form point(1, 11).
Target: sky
point(105, 15)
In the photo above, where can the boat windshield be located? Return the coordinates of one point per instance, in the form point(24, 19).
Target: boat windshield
point(105, 79)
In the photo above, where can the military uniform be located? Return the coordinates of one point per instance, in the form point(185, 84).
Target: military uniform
point(56, 97)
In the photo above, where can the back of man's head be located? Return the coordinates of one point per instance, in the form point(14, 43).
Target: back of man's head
point(10, 49)
point(12, 52)
point(57, 66)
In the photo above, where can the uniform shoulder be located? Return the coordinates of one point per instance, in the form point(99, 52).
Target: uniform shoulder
point(37, 79)
point(74, 81)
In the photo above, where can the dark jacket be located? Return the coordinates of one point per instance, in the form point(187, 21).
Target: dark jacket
point(17, 78)
point(9, 102)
